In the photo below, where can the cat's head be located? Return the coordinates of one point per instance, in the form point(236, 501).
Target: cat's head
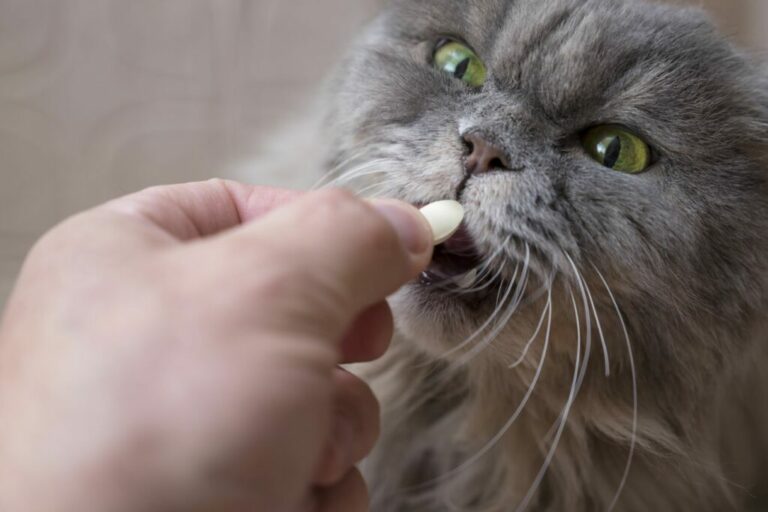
point(620, 141)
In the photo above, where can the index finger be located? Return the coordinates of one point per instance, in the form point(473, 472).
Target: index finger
point(331, 252)
point(196, 210)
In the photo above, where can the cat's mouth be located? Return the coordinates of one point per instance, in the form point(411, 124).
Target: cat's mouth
point(453, 262)
point(458, 269)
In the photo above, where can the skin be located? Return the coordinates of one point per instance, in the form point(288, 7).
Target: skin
point(177, 350)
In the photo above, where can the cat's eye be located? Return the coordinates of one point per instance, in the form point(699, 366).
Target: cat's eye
point(459, 61)
point(617, 148)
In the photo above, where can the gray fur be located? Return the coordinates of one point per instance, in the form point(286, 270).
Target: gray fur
point(684, 247)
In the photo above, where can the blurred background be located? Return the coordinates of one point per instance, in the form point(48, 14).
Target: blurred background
point(99, 98)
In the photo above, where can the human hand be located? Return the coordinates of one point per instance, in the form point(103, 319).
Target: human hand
point(177, 350)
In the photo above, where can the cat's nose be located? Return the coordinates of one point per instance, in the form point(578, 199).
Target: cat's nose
point(484, 156)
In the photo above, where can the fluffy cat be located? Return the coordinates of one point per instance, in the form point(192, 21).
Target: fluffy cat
point(608, 350)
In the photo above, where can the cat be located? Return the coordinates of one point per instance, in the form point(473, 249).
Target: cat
point(594, 337)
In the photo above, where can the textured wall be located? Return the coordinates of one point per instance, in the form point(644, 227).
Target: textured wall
point(103, 97)
point(745, 20)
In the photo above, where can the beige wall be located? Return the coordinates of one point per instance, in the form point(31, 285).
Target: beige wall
point(745, 20)
point(102, 97)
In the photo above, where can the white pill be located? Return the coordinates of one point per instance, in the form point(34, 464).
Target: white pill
point(445, 217)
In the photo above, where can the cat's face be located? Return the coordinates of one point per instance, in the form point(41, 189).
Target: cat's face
point(678, 242)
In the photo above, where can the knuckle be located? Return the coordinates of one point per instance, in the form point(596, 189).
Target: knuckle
point(219, 182)
point(337, 201)
point(155, 192)
point(326, 210)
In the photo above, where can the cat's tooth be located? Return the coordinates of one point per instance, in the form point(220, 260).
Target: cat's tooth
point(445, 218)
point(467, 280)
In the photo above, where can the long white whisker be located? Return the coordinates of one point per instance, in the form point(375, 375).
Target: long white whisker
point(484, 282)
point(387, 176)
point(527, 347)
point(486, 276)
point(500, 301)
point(364, 152)
point(377, 187)
point(633, 370)
point(587, 319)
point(599, 330)
point(553, 429)
point(367, 169)
point(563, 422)
point(488, 322)
point(504, 429)
point(358, 155)
point(517, 298)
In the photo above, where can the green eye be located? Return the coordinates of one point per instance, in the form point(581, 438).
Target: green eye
point(617, 148)
point(459, 61)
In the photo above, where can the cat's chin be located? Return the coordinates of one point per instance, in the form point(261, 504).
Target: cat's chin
point(440, 319)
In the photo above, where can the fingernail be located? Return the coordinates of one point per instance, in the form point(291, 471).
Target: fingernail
point(409, 224)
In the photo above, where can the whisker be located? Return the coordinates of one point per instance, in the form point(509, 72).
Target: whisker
point(377, 187)
point(633, 370)
point(520, 289)
point(599, 330)
point(499, 307)
point(449, 372)
point(505, 428)
point(587, 318)
point(367, 147)
point(337, 168)
point(530, 342)
point(484, 272)
point(551, 432)
point(378, 167)
point(497, 310)
point(370, 168)
point(563, 422)
point(485, 280)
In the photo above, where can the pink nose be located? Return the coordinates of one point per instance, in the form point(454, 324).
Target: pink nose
point(483, 156)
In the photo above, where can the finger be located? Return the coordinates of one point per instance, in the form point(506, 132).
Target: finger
point(194, 210)
point(356, 427)
point(351, 495)
point(370, 335)
point(335, 254)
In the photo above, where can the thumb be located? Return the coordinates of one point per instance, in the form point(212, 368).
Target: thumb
point(336, 255)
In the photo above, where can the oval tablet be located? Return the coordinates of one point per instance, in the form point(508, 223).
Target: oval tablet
point(445, 218)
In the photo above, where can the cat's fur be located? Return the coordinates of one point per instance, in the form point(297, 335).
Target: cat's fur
point(683, 246)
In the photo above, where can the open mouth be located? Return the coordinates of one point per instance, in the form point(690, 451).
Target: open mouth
point(455, 263)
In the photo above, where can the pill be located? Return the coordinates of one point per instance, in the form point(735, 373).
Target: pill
point(445, 218)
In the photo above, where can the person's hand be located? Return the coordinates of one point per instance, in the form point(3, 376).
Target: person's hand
point(177, 350)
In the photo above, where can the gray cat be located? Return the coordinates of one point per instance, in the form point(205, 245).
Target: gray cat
point(595, 336)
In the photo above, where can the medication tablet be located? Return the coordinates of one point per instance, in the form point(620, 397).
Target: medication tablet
point(445, 218)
